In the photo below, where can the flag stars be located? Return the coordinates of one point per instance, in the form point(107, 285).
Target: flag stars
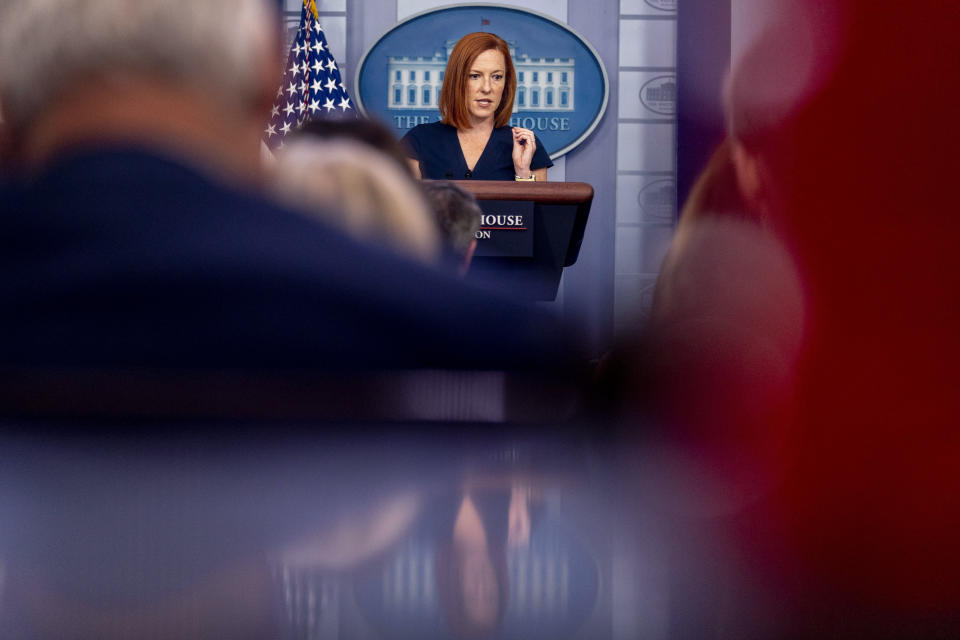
point(312, 82)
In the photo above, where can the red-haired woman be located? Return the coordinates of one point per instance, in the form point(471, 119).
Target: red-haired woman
point(474, 141)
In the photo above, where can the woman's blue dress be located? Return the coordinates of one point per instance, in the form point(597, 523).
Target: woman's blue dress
point(436, 146)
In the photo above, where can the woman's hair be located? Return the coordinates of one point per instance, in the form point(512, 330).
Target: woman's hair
point(453, 96)
point(361, 191)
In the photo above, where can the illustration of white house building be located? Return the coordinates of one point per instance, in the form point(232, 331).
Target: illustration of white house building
point(543, 84)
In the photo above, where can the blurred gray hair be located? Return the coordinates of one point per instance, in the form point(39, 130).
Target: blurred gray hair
point(48, 45)
point(457, 212)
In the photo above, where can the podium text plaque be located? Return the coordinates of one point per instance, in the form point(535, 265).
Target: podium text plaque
point(560, 211)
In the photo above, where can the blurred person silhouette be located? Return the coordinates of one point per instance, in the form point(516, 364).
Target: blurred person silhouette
point(720, 350)
point(740, 288)
point(141, 239)
point(458, 216)
point(855, 535)
point(728, 308)
point(714, 374)
point(358, 189)
point(862, 190)
point(136, 250)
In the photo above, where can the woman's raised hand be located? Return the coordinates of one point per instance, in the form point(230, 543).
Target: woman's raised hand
point(524, 144)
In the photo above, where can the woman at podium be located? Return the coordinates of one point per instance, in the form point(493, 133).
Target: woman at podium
point(474, 141)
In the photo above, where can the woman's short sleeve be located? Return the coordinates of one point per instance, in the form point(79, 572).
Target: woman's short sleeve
point(541, 159)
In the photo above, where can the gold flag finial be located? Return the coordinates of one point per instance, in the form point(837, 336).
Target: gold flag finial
point(311, 6)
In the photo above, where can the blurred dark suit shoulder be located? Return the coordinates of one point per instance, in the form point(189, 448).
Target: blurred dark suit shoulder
point(122, 257)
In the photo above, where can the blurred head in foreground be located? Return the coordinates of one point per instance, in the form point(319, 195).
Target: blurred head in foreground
point(195, 78)
point(458, 217)
point(367, 131)
point(770, 83)
point(727, 322)
point(359, 190)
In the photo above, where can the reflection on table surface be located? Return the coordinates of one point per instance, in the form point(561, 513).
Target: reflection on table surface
point(379, 537)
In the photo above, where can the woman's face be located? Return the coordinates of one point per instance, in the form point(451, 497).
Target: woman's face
point(486, 79)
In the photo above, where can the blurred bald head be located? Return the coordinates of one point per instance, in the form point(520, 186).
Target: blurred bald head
point(122, 65)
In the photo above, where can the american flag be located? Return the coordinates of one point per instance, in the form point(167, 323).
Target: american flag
point(311, 86)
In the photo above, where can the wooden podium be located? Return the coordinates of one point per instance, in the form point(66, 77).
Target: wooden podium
point(530, 232)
